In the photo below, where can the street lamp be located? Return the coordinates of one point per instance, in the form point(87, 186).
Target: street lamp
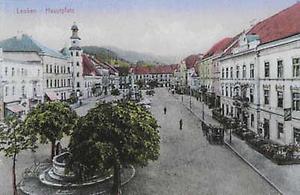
point(190, 98)
point(230, 131)
point(203, 90)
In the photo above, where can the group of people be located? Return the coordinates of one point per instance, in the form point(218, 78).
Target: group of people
point(180, 121)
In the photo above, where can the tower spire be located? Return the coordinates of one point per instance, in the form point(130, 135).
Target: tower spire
point(74, 29)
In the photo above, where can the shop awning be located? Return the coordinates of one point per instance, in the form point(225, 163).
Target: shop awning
point(52, 95)
point(16, 108)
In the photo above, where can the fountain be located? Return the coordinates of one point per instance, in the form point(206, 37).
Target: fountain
point(46, 179)
point(58, 177)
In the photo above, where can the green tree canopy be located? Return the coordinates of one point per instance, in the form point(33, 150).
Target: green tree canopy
point(112, 135)
point(13, 139)
point(115, 92)
point(140, 83)
point(153, 84)
point(51, 120)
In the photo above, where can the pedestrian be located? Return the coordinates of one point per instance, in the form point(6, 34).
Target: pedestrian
point(165, 110)
point(180, 124)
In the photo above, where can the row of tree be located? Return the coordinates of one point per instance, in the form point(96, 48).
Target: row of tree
point(109, 136)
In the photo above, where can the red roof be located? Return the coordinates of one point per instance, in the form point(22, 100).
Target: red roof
point(162, 69)
point(281, 25)
point(109, 67)
point(233, 44)
point(112, 69)
point(88, 67)
point(219, 47)
point(191, 60)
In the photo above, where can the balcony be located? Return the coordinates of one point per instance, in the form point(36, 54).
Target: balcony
point(240, 98)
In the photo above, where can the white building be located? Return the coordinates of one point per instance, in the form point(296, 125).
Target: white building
point(239, 82)
point(54, 66)
point(262, 69)
point(279, 88)
point(192, 76)
point(20, 86)
point(161, 74)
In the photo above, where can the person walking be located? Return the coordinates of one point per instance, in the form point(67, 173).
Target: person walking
point(165, 110)
point(180, 124)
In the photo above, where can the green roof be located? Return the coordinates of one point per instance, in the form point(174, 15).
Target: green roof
point(26, 44)
point(65, 51)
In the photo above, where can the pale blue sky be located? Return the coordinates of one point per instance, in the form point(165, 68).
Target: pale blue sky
point(128, 5)
point(164, 27)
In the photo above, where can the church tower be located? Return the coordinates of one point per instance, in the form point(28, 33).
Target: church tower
point(76, 61)
point(75, 40)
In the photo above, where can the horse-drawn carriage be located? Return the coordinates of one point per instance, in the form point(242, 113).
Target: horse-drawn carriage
point(214, 135)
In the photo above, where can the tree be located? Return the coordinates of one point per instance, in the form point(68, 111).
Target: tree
point(51, 120)
point(115, 92)
point(112, 135)
point(153, 84)
point(140, 83)
point(73, 98)
point(14, 139)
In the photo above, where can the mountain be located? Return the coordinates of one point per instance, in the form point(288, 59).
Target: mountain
point(106, 55)
point(122, 57)
point(134, 56)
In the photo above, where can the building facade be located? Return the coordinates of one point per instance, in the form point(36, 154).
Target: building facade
point(279, 89)
point(161, 74)
point(260, 77)
point(209, 71)
point(21, 86)
point(239, 84)
point(54, 66)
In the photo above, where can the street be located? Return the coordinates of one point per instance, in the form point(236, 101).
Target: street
point(188, 164)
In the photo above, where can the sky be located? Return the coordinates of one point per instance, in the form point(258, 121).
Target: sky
point(161, 27)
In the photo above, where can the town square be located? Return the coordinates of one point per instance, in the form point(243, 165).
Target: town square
point(163, 97)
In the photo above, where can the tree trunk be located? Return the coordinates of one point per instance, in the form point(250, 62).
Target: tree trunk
point(52, 149)
point(116, 189)
point(14, 175)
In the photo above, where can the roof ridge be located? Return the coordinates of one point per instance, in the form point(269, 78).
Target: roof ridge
point(280, 25)
point(272, 16)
